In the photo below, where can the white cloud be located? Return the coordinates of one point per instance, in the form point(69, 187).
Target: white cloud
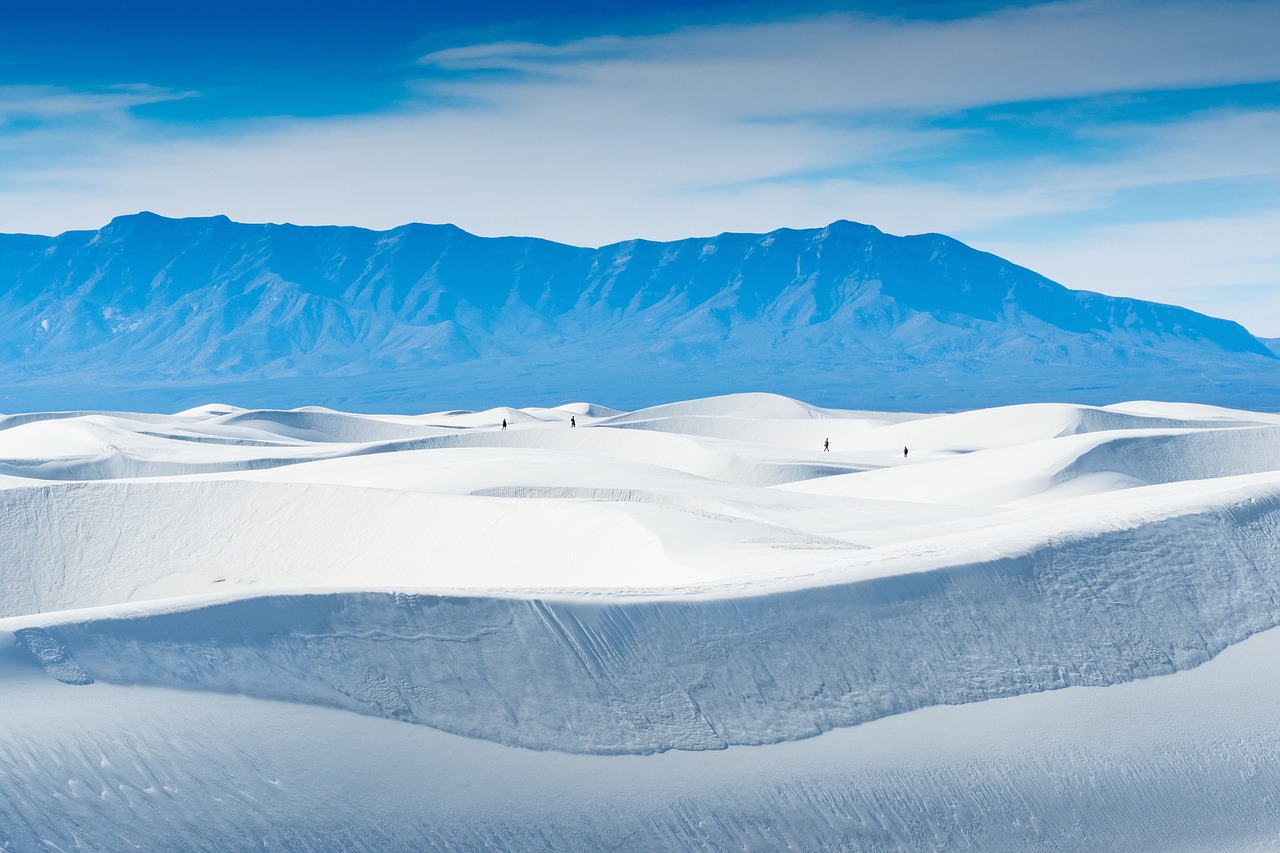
point(47, 103)
point(857, 63)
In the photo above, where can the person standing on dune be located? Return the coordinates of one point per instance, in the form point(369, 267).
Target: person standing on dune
point(573, 421)
point(826, 444)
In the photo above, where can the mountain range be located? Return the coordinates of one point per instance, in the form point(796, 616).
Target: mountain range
point(166, 313)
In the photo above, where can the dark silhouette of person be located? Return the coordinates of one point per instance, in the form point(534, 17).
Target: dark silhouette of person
point(904, 453)
point(504, 423)
point(826, 444)
point(573, 422)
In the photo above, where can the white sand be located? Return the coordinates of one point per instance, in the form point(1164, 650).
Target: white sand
point(646, 586)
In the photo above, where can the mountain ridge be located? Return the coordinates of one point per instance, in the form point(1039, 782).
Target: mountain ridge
point(148, 302)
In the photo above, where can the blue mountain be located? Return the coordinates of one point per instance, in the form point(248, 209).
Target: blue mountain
point(150, 312)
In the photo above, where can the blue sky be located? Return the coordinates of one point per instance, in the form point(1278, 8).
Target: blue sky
point(1130, 147)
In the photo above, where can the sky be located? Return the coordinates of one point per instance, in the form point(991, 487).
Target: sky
point(1130, 147)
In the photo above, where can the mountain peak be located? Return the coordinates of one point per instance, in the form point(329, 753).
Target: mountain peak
point(148, 219)
point(848, 227)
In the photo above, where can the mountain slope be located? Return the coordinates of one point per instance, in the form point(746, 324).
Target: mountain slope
point(182, 309)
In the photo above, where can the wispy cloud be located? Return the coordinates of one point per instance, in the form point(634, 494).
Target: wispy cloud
point(848, 62)
point(43, 129)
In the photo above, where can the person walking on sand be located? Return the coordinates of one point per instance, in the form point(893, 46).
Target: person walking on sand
point(573, 421)
point(826, 444)
point(904, 453)
point(504, 423)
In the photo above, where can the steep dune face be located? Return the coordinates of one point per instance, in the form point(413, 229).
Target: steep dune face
point(698, 579)
point(840, 313)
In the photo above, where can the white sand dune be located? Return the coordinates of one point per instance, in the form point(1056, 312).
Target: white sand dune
point(627, 611)
point(1069, 466)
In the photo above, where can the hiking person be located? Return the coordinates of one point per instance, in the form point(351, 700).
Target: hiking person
point(826, 444)
point(573, 422)
point(904, 453)
point(504, 423)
